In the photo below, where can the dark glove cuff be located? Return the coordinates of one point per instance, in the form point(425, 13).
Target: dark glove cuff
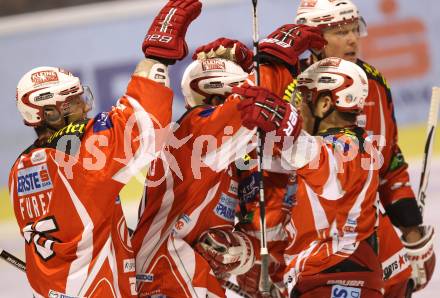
point(265, 58)
point(161, 60)
point(405, 213)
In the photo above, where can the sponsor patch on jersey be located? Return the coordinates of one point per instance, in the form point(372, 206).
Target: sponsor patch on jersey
point(248, 187)
point(129, 265)
point(226, 207)
point(233, 187)
point(339, 291)
point(102, 122)
point(34, 179)
point(55, 294)
point(395, 264)
point(148, 277)
point(181, 223)
point(38, 156)
point(206, 112)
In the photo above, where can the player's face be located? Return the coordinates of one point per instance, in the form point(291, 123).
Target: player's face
point(343, 41)
point(72, 110)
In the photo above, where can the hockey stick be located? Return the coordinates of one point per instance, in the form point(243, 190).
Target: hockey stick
point(432, 122)
point(264, 253)
point(13, 260)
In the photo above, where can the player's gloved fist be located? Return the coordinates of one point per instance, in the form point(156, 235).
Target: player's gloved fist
point(227, 252)
point(263, 109)
point(229, 49)
point(289, 41)
point(422, 258)
point(166, 37)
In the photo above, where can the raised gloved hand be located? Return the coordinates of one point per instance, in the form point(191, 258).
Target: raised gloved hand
point(229, 49)
point(227, 252)
point(289, 41)
point(166, 37)
point(422, 258)
point(263, 109)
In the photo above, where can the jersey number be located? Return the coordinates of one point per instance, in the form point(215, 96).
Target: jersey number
point(38, 234)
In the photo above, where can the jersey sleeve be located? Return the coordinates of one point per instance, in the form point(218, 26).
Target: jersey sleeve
point(218, 135)
point(136, 128)
point(274, 77)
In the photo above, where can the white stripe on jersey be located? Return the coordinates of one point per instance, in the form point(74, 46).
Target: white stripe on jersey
point(194, 216)
point(114, 267)
point(102, 256)
point(145, 153)
point(355, 211)
point(184, 257)
point(319, 216)
point(234, 148)
point(332, 189)
point(78, 270)
point(153, 240)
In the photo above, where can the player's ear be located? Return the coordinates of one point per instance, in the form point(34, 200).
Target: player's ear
point(323, 105)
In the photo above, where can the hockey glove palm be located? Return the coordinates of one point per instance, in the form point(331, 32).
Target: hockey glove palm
point(166, 37)
point(227, 252)
point(263, 109)
point(289, 41)
point(227, 49)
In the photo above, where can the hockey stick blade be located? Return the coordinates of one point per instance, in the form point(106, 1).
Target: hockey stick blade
point(432, 123)
point(13, 260)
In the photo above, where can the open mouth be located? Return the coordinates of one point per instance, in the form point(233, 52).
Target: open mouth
point(351, 56)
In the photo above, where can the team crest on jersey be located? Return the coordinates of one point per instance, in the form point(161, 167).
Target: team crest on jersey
point(225, 208)
point(124, 235)
point(102, 122)
point(34, 179)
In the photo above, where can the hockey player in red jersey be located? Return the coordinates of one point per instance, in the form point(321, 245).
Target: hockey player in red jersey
point(64, 187)
point(342, 29)
point(334, 215)
point(186, 195)
point(342, 26)
point(173, 237)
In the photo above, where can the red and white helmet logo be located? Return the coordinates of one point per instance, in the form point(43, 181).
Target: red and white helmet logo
point(42, 77)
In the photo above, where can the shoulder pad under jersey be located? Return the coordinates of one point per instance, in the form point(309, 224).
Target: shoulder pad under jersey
point(373, 73)
point(202, 110)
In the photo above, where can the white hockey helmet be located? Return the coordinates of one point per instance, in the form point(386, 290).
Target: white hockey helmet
point(205, 78)
point(345, 81)
point(47, 86)
point(329, 13)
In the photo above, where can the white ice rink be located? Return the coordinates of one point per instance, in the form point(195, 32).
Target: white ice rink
point(13, 282)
